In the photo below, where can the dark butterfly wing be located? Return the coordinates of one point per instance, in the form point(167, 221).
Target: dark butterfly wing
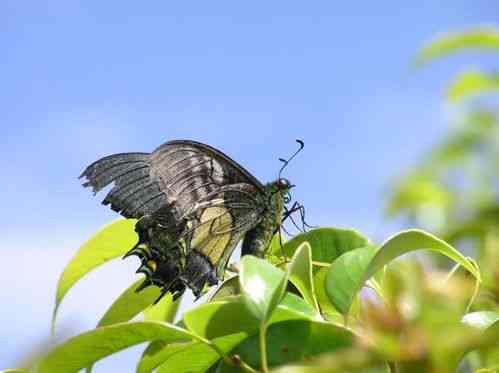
point(173, 177)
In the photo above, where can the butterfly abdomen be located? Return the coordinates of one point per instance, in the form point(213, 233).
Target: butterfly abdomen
point(257, 240)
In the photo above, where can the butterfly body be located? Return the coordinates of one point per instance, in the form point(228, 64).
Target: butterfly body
point(193, 204)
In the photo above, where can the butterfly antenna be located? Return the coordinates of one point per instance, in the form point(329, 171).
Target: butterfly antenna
point(286, 161)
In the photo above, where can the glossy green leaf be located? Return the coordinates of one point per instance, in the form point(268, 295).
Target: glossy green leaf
point(348, 273)
point(445, 44)
point(300, 273)
point(262, 286)
point(295, 340)
point(225, 317)
point(112, 241)
point(185, 357)
point(472, 82)
point(327, 243)
point(85, 349)
point(129, 304)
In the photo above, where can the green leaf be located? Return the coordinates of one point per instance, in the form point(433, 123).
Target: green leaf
point(228, 288)
point(343, 278)
point(225, 317)
point(185, 357)
point(129, 304)
point(292, 307)
point(481, 319)
point(165, 310)
point(112, 241)
point(262, 286)
point(300, 273)
point(443, 45)
point(215, 319)
point(348, 273)
point(85, 349)
point(328, 310)
point(295, 340)
point(327, 243)
point(347, 360)
point(472, 82)
point(276, 245)
point(14, 371)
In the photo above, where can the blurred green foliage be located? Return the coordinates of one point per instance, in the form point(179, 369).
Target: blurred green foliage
point(454, 191)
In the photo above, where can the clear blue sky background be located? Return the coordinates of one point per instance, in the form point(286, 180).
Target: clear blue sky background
point(80, 80)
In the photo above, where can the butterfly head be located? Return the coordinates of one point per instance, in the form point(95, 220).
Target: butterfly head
point(283, 186)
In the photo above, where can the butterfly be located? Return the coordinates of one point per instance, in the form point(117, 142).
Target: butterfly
point(194, 204)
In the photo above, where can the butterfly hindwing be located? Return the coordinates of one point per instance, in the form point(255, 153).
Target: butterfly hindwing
point(220, 221)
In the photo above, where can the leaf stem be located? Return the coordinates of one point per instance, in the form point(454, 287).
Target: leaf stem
point(263, 347)
point(320, 264)
point(241, 364)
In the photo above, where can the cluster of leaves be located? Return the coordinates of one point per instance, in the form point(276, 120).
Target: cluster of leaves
point(300, 310)
point(455, 190)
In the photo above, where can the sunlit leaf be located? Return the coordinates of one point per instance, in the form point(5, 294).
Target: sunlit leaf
point(85, 349)
point(262, 286)
point(445, 44)
point(112, 241)
point(165, 310)
point(472, 82)
point(348, 273)
point(129, 304)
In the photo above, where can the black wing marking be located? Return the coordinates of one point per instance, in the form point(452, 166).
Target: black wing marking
point(176, 176)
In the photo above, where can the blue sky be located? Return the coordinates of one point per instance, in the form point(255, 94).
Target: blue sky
point(80, 80)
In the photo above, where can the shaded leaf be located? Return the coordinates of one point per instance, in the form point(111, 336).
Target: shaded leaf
point(300, 273)
point(295, 340)
point(228, 288)
point(326, 243)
